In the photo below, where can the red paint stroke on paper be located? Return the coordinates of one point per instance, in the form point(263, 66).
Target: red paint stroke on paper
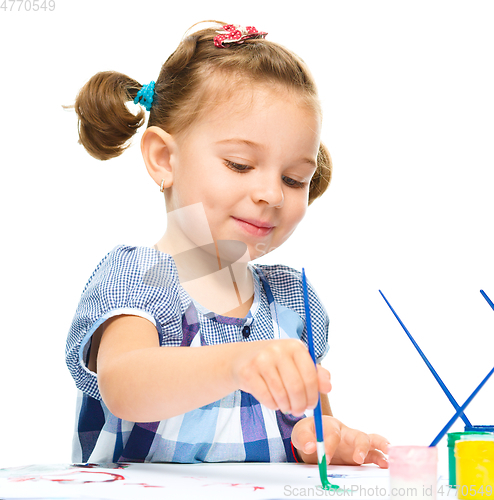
point(144, 485)
point(21, 479)
point(62, 480)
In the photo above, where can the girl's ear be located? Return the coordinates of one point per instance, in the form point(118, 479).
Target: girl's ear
point(157, 147)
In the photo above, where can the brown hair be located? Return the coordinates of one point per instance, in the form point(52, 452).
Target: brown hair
point(186, 86)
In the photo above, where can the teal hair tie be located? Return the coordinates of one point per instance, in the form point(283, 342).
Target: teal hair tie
point(145, 96)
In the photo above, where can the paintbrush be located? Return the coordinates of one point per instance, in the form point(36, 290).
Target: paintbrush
point(489, 301)
point(460, 410)
point(321, 451)
point(431, 368)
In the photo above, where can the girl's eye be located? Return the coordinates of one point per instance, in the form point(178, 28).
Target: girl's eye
point(292, 182)
point(236, 166)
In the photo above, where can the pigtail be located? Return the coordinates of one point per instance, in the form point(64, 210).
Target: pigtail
point(322, 177)
point(105, 124)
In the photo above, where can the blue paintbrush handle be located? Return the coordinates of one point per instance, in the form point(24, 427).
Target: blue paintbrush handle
point(318, 422)
point(321, 452)
point(310, 343)
point(489, 301)
point(461, 410)
point(431, 368)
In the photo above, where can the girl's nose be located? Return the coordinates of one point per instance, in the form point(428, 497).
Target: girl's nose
point(269, 191)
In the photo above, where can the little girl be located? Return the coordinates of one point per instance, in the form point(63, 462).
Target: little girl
point(233, 142)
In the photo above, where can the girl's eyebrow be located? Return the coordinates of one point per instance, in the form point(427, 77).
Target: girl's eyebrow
point(256, 145)
point(246, 142)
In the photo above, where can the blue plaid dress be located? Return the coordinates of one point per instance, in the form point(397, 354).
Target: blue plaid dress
point(144, 282)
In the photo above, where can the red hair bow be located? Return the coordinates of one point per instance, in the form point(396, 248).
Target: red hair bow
point(234, 33)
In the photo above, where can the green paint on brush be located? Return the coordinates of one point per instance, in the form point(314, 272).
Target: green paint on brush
point(323, 472)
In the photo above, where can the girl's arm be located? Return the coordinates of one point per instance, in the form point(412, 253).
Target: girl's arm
point(140, 381)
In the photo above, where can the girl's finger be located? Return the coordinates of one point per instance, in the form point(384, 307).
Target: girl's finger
point(332, 436)
point(260, 390)
point(295, 390)
point(305, 439)
point(300, 379)
point(277, 389)
point(378, 458)
point(324, 379)
point(361, 446)
point(379, 443)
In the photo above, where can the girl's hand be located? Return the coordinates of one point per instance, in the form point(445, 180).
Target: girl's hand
point(280, 374)
point(344, 446)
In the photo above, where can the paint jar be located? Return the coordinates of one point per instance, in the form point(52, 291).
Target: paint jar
point(452, 438)
point(475, 467)
point(413, 472)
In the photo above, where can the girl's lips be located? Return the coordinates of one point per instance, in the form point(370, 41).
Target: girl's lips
point(252, 228)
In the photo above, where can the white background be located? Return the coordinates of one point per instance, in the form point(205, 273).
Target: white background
point(407, 93)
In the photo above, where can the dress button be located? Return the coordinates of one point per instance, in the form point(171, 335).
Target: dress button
point(246, 331)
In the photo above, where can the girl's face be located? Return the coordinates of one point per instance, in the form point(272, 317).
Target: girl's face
point(249, 161)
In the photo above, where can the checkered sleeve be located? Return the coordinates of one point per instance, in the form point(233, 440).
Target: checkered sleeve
point(286, 285)
point(129, 280)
